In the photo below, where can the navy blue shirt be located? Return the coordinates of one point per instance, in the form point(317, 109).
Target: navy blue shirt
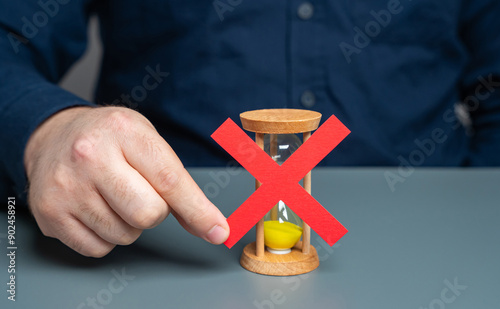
point(396, 73)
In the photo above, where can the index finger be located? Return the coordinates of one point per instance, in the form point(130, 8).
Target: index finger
point(154, 159)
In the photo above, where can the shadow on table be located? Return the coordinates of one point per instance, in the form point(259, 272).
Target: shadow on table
point(177, 258)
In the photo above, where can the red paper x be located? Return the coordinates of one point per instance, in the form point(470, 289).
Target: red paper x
point(282, 182)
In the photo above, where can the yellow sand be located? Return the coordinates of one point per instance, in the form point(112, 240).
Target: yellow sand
point(281, 235)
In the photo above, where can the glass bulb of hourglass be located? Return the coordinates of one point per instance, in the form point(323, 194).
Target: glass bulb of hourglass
point(282, 227)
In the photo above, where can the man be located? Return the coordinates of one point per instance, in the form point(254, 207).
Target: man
point(393, 71)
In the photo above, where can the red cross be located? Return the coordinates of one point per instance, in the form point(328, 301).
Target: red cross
point(282, 182)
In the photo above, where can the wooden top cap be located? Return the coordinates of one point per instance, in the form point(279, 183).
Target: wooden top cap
point(280, 121)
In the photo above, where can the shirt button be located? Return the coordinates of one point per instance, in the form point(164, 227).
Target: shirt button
point(305, 11)
point(308, 99)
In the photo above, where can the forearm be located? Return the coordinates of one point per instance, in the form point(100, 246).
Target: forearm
point(30, 67)
point(25, 104)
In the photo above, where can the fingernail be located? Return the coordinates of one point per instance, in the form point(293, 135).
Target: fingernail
point(217, 235)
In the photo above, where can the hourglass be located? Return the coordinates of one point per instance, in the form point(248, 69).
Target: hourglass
point(278, 249)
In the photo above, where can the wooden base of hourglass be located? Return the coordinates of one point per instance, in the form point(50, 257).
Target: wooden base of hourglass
point(293, 263)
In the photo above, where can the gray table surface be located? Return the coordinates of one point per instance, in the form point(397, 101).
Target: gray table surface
point(433, 242)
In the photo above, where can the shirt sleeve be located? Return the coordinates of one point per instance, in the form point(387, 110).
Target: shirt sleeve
point(480, 33)
point(39, 41)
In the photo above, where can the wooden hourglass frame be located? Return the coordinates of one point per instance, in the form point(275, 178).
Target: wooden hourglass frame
point(303, 257)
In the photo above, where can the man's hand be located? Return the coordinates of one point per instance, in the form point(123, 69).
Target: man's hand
point(99, 176)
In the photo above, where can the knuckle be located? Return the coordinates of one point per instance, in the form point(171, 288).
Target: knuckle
point(149, 217)
point(46, 231)
point(48, 215)
point(62, 182)
point(107, 225)
point(123, 190)
point(96, 251)
point(84, 148)
point(168, 181)
point(48, 211)
point(61, 227)
point(96, 218)
point(129, 237)
point(119, 119)
point(79, 246)
point(87, 247)
point(198, 216)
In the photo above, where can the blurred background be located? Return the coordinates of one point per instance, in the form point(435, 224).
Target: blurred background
point(82, 77)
